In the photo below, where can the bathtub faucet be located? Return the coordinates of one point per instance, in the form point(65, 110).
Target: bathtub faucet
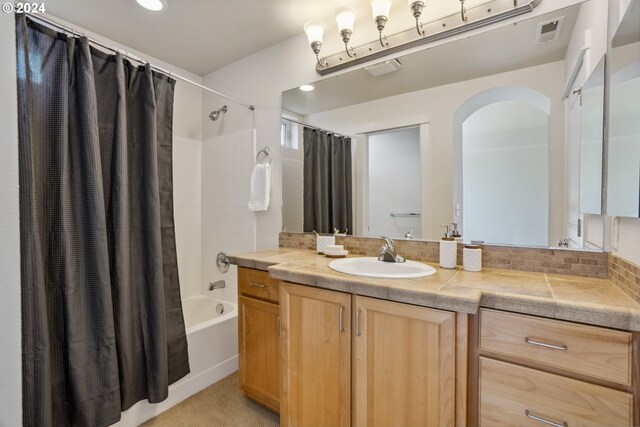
point(217, 285)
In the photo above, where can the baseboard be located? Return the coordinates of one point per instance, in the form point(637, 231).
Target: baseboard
point(186, 387)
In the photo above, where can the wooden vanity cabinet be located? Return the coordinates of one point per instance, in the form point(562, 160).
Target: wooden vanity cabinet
point(535, 371)
point(363, 361)
point(403, 365)
point(316, 357)
point(258, 340)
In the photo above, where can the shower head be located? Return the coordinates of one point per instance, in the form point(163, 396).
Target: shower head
point(215, 115)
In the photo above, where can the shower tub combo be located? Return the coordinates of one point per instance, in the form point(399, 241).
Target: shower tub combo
point(212, 334)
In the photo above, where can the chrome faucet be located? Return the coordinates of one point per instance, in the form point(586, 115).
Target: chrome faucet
point(217, 285)
point(388, 252)
point(409, 235)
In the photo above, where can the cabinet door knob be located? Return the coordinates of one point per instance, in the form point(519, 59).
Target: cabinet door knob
point(358, 322)
point(543, 421)
point(545, 345)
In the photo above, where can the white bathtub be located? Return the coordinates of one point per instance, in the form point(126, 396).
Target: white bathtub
point(213, 354)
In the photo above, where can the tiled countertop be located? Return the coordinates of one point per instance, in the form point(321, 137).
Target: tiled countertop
point(579, 299)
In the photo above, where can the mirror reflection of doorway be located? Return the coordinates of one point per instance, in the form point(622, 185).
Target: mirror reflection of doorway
point(394, 203)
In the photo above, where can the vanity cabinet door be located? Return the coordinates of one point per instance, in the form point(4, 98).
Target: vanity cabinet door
point(404, 365)
point(259, 351)
point(316, 357)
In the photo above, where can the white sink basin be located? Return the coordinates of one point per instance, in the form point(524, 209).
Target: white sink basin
point(371, 267)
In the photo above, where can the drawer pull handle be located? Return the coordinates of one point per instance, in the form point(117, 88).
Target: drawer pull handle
point(341, 318)
point(542, 420)
point(257, 285)
point(278, 326)
point(358, 333)
point(545, 345)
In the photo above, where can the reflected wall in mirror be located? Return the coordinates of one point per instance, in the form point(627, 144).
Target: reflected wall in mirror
point(505, 168)
point(591, 97)
point(471, 132)
point(623, 175)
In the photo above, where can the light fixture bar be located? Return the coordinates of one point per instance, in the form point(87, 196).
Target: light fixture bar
point(477, 17)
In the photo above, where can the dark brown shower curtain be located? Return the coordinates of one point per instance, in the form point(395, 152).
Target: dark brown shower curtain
point(102, 322)
point(327, 187)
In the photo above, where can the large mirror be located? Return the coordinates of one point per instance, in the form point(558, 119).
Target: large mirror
point(473, 132)
point(623, 186)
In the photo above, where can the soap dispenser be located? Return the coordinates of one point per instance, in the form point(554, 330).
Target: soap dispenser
point(455, 233)
point(448, 249)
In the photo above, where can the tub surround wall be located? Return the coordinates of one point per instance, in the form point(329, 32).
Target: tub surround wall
point(557, 261)
point(625, 275)
point(187, 211)
point(227, 224)
point(187, 151)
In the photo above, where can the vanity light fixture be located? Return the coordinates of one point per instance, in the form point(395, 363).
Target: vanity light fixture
point(315, 31)
point(380, 10)
point(416, 7)
point(488, 13)
point(345, 20)
point(154, 5)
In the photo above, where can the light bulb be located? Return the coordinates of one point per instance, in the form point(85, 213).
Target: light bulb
point(154, 5)
point(345, 19)
point(380, 8)
point(315, 31)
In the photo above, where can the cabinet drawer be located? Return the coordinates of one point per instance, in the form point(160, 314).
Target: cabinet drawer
point(257, 284)
point(587, 350)
point(512, 395)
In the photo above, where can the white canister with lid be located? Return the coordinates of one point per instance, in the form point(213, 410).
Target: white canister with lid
point(448, 252)
point(472, 258)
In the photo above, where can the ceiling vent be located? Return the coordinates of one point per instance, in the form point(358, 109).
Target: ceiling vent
point(384, 67)
point(549, 31)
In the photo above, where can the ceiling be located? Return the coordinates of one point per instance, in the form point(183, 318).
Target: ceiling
point(202, 36)
point(500, 50)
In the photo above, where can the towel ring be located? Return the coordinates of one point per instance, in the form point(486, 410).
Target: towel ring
point(266, 153)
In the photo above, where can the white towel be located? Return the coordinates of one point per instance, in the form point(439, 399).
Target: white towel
point(260, 187)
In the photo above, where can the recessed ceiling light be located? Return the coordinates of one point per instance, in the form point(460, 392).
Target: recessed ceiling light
point(154, 5)
point(306, 88)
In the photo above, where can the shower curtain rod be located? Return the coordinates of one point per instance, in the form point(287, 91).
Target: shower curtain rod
point(66, 29)
point(314, 127)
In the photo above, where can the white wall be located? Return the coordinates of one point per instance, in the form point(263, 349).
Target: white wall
point(394, 182)
point(10, 335)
